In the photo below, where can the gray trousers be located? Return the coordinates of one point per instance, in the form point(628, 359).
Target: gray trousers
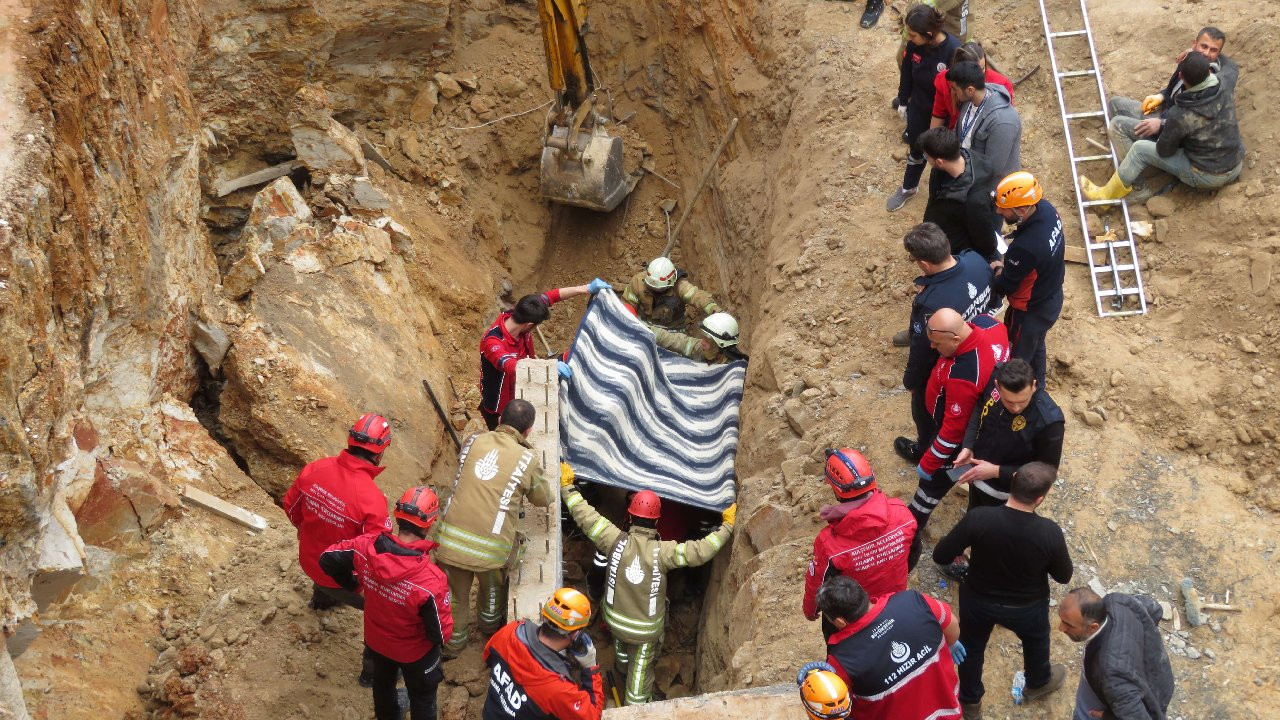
point(1140, 153)
point(1086, 700)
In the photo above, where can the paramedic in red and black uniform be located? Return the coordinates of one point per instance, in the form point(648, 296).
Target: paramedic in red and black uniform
point(897, 653)
point(407, 618)
point(510, 339)
point(867, 537)
point(531, 676)
point(968, 353)
point(1033, 269)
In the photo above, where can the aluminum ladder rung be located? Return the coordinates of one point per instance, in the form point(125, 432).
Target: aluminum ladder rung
point(1106, 270)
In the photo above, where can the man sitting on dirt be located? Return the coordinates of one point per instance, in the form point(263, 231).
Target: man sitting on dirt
point(1199, 138)
point(1126, 670)
point(718, 346)
point(967, 354)
point(660, 293)
point(867, 537)
point(1127, 114)
point(510, 339)
point(897, 653)
point(477, 531)
point(635, 605)
point(955, 205)
point(407, 617)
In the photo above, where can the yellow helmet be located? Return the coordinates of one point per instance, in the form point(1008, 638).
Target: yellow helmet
point(567, 609)
point(825, 695)
point(1019, 189)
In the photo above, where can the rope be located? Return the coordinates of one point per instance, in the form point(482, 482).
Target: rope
point(504, 117)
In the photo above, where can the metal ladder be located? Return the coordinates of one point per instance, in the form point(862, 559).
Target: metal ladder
point(1116, 277)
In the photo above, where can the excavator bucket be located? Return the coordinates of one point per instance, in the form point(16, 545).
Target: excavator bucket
point(586, 172)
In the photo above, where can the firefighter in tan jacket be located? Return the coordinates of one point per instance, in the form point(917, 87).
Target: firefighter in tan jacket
point(477, 530)
point(718, 345)
point(635, 601)
point(660, 293)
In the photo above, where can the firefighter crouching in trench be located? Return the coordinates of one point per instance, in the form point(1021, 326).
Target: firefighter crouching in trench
point(635, 602)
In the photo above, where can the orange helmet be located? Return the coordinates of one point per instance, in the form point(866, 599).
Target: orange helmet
point(849, 473)
point(824, 694)
point(418, 506)
point(371, 432)
point(567, 609)
point(645, 504)
point(1019, 189)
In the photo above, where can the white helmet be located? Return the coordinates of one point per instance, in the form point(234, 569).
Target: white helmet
point(721, 328)
point(661, 274)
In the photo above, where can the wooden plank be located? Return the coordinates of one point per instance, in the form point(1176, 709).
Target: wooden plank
point(218, 506)
point(540, 572)
point(226, 187)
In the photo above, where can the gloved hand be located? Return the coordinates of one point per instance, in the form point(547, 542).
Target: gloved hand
point(920, 473)
point(1151, 103)
point(563, 369)
point(713, 309)
point(811, 667)
point(902, 111)
point(583, 650)
point(566, 475)
point(958, 653)
point(597, 285)
point(730, 514)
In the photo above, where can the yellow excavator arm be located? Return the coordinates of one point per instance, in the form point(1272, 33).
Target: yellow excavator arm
point(568, 69)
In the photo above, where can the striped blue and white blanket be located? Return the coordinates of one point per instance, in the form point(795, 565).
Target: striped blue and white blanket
point(639, 417)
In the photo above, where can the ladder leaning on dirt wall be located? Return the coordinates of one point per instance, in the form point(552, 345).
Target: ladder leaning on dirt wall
point(540, 573)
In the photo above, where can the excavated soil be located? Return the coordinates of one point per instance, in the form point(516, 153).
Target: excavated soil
point(1169, 467)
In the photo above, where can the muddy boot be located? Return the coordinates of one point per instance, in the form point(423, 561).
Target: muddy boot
point(971, 711)
point(871, 15)
point(902, 338)
point(907, 449)
point(320, 600)
point(1057, 673)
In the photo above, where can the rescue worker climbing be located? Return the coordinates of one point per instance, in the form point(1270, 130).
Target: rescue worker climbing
point(868, 535)
point(477, 531)
point(406, 616)
point(335, 499)
point(718, 346)
point(660, 293)
point(635, 602)
point(530, 676)
point(823, 694)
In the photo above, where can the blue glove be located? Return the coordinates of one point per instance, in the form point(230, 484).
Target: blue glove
point(922, 474)
point(958, 653)
point(809, 667)
point(583, 650)
point(597, 285)
point(563, 369)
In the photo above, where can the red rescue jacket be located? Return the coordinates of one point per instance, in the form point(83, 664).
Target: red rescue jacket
point(406, 596)
point(867, 542)
point(334, 499)
point(956, 382)
point(524, 687)
point(499, 353)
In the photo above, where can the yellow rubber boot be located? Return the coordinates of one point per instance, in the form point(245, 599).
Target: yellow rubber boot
point(1113, 190)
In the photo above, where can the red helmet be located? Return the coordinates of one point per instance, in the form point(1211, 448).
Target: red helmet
point(418, 506)
point(645, 504)
point(849, 473)
point(371, 432)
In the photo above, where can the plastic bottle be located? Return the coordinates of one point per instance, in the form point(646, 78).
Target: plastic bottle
point(1019, 684)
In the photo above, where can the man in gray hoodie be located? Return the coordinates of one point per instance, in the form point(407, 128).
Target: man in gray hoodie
point(989, 128)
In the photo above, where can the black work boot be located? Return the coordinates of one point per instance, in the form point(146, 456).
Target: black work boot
point(907, 449)
point(871, 15)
